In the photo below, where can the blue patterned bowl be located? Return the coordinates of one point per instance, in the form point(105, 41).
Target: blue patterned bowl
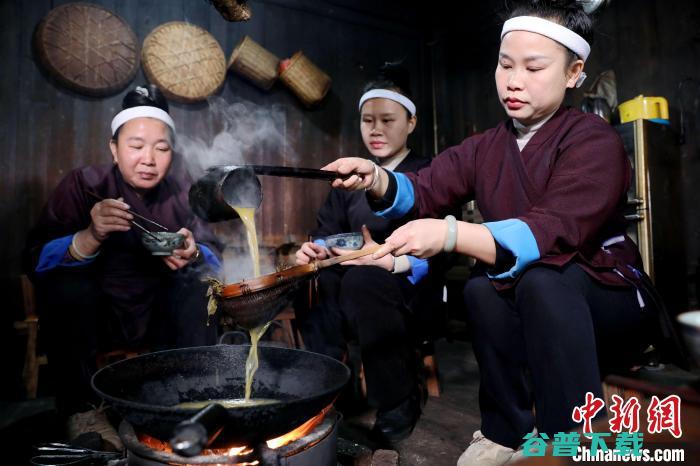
point(353, 240)
point(165, 244)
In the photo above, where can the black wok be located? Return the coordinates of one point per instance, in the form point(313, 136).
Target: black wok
point(145, 389)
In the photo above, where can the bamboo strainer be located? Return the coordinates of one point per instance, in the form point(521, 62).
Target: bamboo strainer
point(184, 60)
point(308, 82)
point(252, 303)
point(254, 62)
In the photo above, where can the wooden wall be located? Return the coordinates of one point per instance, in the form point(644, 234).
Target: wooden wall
point(47, 130)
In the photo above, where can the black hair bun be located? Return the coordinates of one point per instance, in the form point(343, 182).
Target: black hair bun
point(392, 75)
point(148, 95)
point(555, 4)
point(398, 74)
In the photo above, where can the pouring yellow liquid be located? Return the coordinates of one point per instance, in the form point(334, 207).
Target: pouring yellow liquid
point(247, 215)
point(251, 364)
point(227, 403)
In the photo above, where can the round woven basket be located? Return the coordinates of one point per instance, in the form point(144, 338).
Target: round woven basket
point(87, 48)
point(233, 10)
point(253, 61)
point(305, 79)
point(184, 60)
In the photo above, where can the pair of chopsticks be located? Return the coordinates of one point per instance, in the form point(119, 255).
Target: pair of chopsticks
point(134, 222)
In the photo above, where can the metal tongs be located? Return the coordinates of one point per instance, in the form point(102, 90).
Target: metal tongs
point(60, 454)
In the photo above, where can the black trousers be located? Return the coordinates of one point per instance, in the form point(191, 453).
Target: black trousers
point(546, 343)
point(367, 304)
point(78, 321)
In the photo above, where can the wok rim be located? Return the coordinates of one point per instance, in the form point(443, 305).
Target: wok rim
point(116, 401)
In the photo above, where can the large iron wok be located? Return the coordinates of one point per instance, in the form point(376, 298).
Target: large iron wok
point(145, 389)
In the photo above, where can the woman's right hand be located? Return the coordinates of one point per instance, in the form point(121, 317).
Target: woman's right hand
point(311, 251)
point(108, 216)
point(362, 171)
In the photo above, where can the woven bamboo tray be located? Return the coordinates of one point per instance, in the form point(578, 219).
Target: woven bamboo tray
point(87, 48)
point(233, 10)
point(184, 60)
point(254, 62)
point(305, 79)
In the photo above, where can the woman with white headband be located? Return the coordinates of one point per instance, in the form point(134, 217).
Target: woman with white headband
point(558, 296)
point(370, 298)
point(90, 268)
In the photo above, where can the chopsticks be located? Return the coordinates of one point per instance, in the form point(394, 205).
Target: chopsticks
point(133, 222)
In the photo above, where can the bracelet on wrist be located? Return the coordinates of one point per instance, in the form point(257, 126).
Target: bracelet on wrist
point(375, 176)
point(451, 235)
point(77, 254)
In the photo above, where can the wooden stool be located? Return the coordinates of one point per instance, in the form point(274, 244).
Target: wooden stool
point(30, 328)
point(290, 336)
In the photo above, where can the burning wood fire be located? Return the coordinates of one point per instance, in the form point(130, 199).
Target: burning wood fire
point(244, 451)
point(300, 431)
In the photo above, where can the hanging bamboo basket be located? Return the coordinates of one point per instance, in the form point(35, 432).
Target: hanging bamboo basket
point(184, 60)
point(254, 62)
point(308, 82)
point(87, 48)
point(233, 10)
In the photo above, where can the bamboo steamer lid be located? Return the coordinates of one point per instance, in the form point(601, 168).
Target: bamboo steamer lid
point(184, 61)
point(253, 61)
point(87, 48)
point(307, 81)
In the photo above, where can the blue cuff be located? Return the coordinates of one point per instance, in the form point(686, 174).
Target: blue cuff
point(404, 200)
point(419, 269)
point(514, 235)
point(320, 242)
point(53, 254)
point(209, 257)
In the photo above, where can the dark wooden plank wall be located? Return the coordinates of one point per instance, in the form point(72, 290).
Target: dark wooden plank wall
point(47, 130)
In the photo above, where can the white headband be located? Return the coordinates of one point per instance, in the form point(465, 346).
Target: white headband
point(140, 112)
point(391, 95)
point(554, 31)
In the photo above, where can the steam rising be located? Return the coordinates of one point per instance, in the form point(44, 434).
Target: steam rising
point(238, 133)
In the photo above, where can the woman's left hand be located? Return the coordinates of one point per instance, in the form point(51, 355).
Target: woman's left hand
point(386, 262)
point(420, 238)
point(185, 255)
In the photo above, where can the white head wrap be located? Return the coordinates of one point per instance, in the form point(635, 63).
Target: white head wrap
point(391, 95)
point(140, 112)
point(554, 31)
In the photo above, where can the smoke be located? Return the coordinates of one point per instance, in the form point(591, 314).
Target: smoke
point(237, 133)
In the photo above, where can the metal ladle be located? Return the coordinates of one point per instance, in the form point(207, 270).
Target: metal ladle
point(221, 188)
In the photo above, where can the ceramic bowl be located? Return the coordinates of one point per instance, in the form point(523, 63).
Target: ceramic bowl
point(353, 241)
point(165, 244)
point(690, 326)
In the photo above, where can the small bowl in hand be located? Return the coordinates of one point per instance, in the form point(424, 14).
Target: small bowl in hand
point(690, 326)
point(166, 243)
point(352, 241)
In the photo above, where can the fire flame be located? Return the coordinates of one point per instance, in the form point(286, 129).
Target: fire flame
point(300, 431)
point(274, 443)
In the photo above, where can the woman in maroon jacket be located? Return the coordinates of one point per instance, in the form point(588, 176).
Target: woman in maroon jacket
point(558, 294)
point(90, 269)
